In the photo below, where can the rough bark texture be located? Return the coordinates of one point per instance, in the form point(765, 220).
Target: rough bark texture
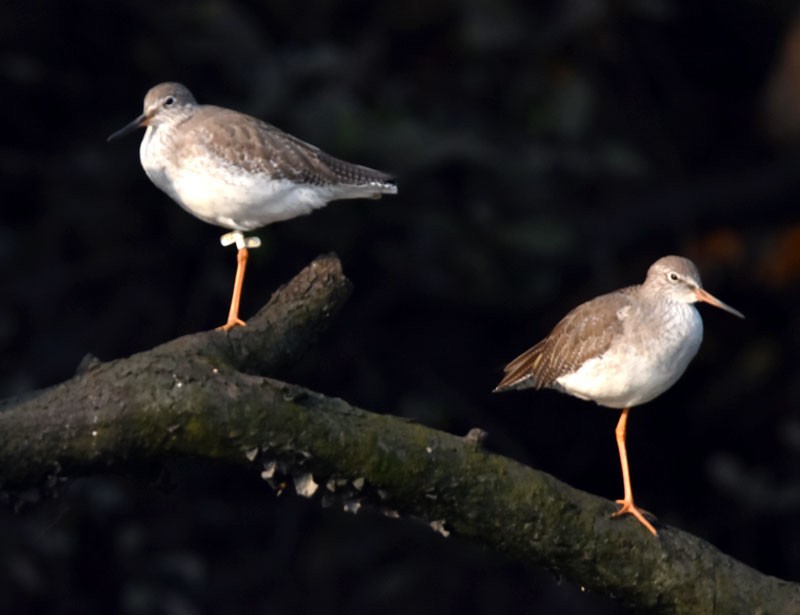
point(199, 396)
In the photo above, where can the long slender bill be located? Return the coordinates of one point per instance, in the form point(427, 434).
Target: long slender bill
point(129, 128)
point(707, 297)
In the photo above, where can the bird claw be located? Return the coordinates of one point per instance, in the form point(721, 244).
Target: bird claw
point(627, 507)
point(233, 322)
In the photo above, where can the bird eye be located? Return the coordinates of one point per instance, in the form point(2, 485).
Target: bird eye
point(672, 276)
point(169, 101)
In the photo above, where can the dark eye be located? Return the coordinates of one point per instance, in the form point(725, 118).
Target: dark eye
point(169, 101)
point(672, 276)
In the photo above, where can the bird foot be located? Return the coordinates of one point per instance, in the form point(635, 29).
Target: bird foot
point(232, 322)
point(627, 507)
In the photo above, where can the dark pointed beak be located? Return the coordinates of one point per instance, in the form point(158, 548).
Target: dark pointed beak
point(707, 297)
point(126, 130)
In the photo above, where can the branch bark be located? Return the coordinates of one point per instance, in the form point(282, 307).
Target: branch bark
point(199, 396)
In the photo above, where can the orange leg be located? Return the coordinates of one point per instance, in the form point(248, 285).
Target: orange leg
point(628, 507)
point(233, 314)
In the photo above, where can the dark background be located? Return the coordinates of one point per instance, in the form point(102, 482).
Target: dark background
point(545, 152)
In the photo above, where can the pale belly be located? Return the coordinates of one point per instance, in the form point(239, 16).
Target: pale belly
point(224, 194)
point(632, 374)
point(219, 192)
point(240, 202)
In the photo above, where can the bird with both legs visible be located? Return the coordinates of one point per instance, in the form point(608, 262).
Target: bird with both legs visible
point(622, 349)
point(238, 172)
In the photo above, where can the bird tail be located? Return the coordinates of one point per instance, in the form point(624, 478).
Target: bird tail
point(371, 190)
point(521, 372)
point(366, 182)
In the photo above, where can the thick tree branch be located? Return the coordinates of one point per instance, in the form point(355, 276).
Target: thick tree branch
point(118, 410)
point(197, 396)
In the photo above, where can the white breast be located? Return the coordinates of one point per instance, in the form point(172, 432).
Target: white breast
point(639, 366)
point(224, 194)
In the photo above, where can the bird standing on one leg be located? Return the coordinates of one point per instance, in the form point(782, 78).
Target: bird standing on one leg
point(238, 172)
point(622, 349)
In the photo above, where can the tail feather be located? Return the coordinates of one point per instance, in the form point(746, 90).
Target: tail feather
point(359, 175)
point(521, 373)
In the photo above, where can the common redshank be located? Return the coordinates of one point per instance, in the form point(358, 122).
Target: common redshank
point(622, 349)
point(238, 172)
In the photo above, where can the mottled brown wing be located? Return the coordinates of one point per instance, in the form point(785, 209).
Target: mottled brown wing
point(243, 140)
point(586, 332)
